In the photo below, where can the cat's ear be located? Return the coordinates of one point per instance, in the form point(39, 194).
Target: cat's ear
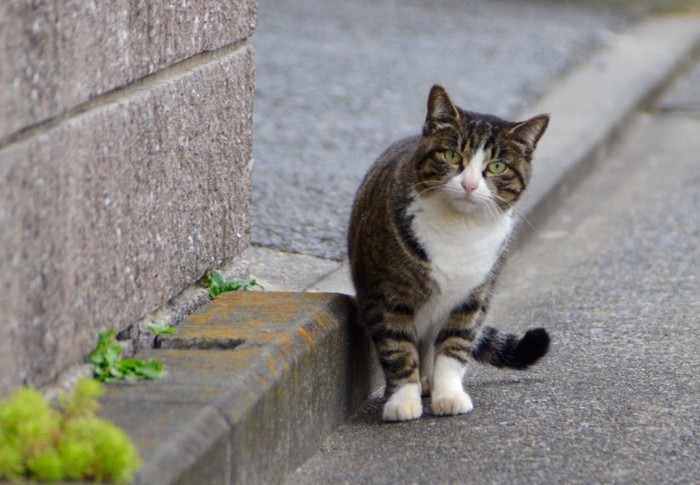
point(531, 131)
point(440, 110)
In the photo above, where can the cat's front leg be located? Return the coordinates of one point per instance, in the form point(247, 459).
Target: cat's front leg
point(447, 394)
point(399, 358)
point(453, 350)
point(404, 404)
point(395, 340)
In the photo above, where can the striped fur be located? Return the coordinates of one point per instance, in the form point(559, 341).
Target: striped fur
point(428, 235)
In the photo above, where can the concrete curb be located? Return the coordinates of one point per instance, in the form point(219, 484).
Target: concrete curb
point(258, 380)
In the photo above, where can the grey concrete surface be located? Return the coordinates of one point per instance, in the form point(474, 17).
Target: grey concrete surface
point(279, 271)
point(108, 215)
point(613, 275)
point(57, 55)
point(337, 82)
point(684, 98)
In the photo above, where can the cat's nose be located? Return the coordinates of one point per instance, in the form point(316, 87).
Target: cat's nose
point(469, 186)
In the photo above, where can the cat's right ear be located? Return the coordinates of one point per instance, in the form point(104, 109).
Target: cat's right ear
point(441, 111)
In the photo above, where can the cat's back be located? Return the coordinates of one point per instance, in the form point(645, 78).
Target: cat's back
point(381, 187)
point(385, 172)
point(382, 194)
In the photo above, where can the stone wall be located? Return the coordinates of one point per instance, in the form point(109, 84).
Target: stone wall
point(125, 159)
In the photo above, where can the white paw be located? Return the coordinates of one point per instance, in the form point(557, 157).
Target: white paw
point(451, 404)
point(404, 404)
point(402, 411)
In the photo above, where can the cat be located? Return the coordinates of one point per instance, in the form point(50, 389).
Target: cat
point(428, 235)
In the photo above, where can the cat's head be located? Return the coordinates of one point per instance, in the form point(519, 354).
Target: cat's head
point(475, 162)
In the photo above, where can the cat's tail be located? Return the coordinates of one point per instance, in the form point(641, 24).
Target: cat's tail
point(507, 350)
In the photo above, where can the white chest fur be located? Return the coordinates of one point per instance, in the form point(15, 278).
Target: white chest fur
point(462, 251)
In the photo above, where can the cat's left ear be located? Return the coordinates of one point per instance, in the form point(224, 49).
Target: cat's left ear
point(531, 131)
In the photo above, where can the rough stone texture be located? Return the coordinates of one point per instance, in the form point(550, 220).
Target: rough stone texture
point(274, 369)
point(56, 55)
point(108, 215)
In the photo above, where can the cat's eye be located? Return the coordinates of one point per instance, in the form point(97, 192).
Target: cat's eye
point(496, 167)
point(452, 157)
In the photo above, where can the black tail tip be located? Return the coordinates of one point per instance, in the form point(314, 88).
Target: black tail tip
point(532, 347)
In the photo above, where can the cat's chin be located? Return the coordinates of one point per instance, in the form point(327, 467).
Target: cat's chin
point(466, 208)
point(469, 206)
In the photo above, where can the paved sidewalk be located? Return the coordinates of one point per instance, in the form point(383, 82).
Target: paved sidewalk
point(613, 275)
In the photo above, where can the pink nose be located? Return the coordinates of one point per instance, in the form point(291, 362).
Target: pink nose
point(469, 186)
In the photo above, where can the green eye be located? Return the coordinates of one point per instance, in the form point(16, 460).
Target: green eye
point(496, 167)
point(452, 157)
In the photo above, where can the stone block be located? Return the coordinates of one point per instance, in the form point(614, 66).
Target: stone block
point(309, 377)
point(112, 212)
point(179, 442)
point(56, 55)
point(295, 368)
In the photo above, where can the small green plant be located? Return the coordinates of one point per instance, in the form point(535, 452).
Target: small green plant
point(111, 367)
point(217, 284)
point(40, 443)
point(160, 331)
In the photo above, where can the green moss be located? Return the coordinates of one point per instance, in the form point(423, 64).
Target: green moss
point(11, 462)
point(114, 457)
point(80, 453)
point(21, 406)
point(39, 443)
point(47, 466)
point(37, 434)
point(83, 401)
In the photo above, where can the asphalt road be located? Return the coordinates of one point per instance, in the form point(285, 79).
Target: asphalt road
point(338, 81)
point(613, 274)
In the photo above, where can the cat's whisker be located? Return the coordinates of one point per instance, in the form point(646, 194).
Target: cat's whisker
point(494, 210)
point(430, 191)
point(491, 208)
point(517, 212)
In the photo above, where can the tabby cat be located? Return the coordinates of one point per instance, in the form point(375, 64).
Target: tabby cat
point(427, 238)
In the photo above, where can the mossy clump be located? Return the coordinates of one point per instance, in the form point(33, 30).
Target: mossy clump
point(38, 442)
